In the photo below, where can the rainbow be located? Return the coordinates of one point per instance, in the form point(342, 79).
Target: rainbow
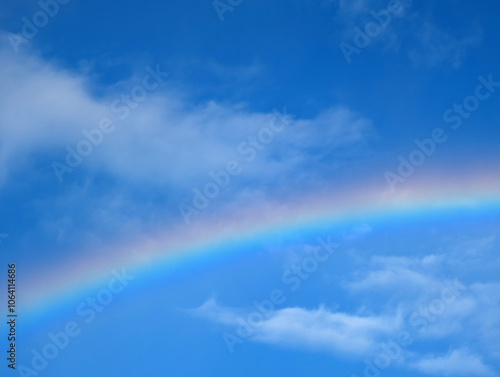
point(215, 235)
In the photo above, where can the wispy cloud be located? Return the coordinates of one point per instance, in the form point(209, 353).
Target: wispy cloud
point(459, 362)
point(386, 272)
point(336, 332)
point(316, 329)
point(430, 308)
point(423, 38)
point(45, 108)
point(439, 46)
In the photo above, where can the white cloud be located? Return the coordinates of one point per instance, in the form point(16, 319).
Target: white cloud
point(166, 139)
point(475, 247)
point(354, 7)
point(486, 318)
point(211, 310)
point(359, 232)
point(310, 329)
point(460, 362)
point(389, 278)
point(426, 42)
point(336, 332)
point(398, 293)
point(387, 272)
point(41, 107)
point(438, 46)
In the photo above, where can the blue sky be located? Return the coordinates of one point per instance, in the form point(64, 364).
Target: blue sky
point(131, 128)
